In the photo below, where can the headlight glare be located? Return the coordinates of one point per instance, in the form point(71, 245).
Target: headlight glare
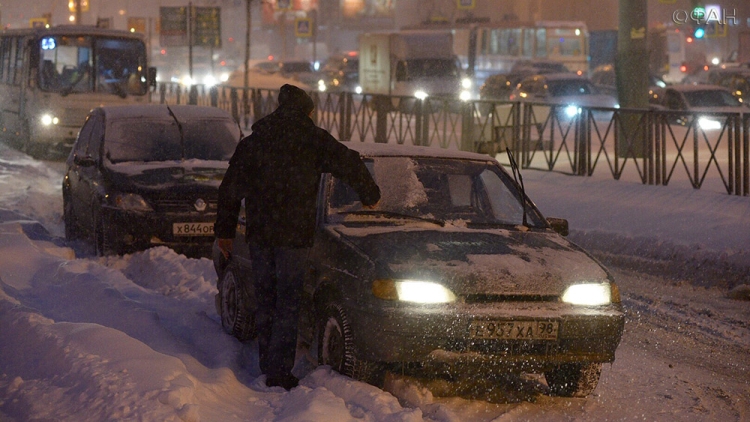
point(466, 83)
point(420, 94)
point(412, 291)
point(48, 119)
point(589, 294)
point(709, 124)
point(131, 202)
point(572, 110)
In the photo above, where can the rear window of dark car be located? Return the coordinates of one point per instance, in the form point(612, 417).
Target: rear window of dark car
point(711, 98)
point(160, 140)
point(570, 87)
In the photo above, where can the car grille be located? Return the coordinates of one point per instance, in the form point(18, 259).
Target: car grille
point(181, 205)
point(494, 298)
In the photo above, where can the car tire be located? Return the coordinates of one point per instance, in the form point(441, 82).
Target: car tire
point(336, 348)
point(235, 307)
point(573, 379)
point(104, 241)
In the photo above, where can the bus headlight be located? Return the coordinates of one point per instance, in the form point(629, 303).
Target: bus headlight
point(465, 96)
point(466, 83)
point(48, 119)
point(421, 95)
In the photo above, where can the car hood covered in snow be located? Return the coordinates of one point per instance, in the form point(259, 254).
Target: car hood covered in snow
point(130, 176)
point(502, 262)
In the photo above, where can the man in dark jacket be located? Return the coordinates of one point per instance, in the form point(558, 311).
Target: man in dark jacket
point(277, 169)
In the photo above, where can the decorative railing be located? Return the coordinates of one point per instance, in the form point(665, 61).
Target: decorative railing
point(653, 146)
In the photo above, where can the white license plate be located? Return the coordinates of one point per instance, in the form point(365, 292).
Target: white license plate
point(514, 330)
point(193, 229)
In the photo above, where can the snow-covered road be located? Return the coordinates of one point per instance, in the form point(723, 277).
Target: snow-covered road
point(137, 337)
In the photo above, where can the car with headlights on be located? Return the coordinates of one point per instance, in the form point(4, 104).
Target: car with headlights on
point(568, 93)
point(708, 106)
point(147, 175)
point(455, 269)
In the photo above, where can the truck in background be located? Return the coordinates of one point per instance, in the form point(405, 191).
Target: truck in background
point(411, 63)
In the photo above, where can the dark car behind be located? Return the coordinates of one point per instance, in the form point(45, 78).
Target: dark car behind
point(147, 175)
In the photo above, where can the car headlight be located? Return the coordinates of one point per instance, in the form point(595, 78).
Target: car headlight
point(321, 85)
point(590, 294)
point(48, 119)
point(465, 96)
point(572, 110)
point(466, 83)
point(412, 291)
point(131, 202)
point(358, 89)
point(420, 94)
point(709, 124)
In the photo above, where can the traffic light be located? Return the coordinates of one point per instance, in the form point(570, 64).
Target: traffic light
point(699, 32)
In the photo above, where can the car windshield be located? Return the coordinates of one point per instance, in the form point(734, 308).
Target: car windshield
point(422, 68)
point(80, 64)
point(159, 140)
point(570, 87)
point(711, 98)
point(461, 192)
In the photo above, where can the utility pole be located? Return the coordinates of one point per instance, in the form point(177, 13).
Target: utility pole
point(248, 16)
point(631, 67)
point(77, 4)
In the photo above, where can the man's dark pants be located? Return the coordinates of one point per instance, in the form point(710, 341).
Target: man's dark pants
point(278, 274)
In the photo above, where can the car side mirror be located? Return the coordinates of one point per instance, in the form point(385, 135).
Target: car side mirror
point(85, 161)
point(560, 225)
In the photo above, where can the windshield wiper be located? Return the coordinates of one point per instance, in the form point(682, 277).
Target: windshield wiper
point(395, 214)
point(179, 127)
point(519, 181)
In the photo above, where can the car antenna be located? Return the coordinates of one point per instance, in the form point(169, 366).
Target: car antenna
point(179, 127)
point(519, 180)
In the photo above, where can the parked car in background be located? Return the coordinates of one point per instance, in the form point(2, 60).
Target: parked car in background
point(455, 269)
point(568, 92)
point(708, 105)
point(147, 175)
point(537, 66)
point(605, 79)
point(340, 73)
point(736, 80)
point(299, 70)
point(501, 85)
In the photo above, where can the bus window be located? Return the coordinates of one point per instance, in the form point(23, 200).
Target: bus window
point(564, 42)
point(18, 62)
point(66, 64)
point(121, 67)
point(541, 42)
point(528, 42)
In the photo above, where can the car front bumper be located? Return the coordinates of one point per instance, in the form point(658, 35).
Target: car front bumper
point(139, 230)
point(440, 336)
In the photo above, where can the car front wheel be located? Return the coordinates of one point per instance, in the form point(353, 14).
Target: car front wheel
point(336, 348)
point(573, 379)
point(234, 308)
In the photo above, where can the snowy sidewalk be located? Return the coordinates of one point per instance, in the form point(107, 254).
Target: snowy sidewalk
point(676, 224)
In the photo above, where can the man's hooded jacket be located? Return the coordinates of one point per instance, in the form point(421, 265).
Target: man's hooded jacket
point(277, 169)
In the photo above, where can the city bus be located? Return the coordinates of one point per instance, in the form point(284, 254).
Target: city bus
point(488, 48)
point(50, 78)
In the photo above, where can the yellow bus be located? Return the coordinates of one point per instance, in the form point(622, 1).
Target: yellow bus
point(51, 77)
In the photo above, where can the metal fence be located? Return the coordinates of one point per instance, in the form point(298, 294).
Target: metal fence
point(655, 146)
